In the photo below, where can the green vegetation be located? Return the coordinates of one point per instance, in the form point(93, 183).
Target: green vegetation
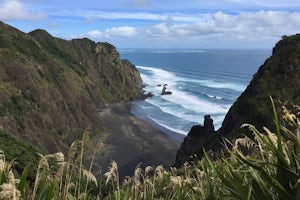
point(270, 169)
point(18, 153)
point(277, 77)
point(50, 87)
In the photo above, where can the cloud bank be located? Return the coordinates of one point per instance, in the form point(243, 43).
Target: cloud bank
point(264, 26)
point(14, 10)
point(153, 23)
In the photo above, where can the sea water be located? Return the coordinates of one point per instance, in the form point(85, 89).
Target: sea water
point(202, 82)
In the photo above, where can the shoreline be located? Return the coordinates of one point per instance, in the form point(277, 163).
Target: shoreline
point(133, 141)
point(139, 113)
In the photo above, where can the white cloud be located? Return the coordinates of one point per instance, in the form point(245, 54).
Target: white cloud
point(14, 10)
point(115, 32)
point(95, 34)
point(124, 31)
point(261, 28)
point(251, 24)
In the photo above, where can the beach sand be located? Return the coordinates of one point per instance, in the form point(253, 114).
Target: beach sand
point(132, 141)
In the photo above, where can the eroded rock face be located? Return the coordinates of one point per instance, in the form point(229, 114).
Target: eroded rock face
point(52, 89)
point(278, 77)
point(195, 140)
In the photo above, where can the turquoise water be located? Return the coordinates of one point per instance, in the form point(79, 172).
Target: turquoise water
point(201, 81)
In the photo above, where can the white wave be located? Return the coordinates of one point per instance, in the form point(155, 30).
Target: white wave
point(167, 51)
point(182, 104)
point(232, 86)
point(160, 75)
point(178, 97)
point(194, 103)
point(168, 127)
point(157, 77)
point(214, 97)
point(217, 84)
point(177, 112)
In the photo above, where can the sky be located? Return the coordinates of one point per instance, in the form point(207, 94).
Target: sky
point(148, 24)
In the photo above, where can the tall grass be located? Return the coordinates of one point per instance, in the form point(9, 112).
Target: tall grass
point(57, 177)
point(265, 167)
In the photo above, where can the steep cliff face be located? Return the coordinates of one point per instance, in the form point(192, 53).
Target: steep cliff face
point(278, 77)
point(52, 89)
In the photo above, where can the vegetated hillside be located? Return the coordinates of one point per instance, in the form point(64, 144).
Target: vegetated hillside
point(278, 77)
point(52, 90)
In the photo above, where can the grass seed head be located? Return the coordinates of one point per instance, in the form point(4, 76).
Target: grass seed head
point(176, 181)
point(2, 166)
point(9, 192)
point(59, 157)
point(89, 176)
point(159, 170)
point(148, 170)
point(111, 175)
point(127, 181)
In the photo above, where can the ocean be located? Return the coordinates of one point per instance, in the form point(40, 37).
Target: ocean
point(202, 82)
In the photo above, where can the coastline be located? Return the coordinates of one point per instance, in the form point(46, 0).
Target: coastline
point(138, 112)
point(133, 141)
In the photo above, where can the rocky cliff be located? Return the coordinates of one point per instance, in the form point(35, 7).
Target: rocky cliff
point(52, 88)
point(278, 77)
point(198, 137)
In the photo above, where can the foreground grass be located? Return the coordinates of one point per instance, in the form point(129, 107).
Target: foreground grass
point(264, 167)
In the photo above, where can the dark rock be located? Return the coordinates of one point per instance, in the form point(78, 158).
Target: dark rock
point(208, 124)
point(196, 139)
point(278, 77)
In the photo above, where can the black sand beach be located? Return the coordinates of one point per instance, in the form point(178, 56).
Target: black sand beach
point(133, 141)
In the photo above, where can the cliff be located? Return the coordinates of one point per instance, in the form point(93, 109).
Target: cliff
point(278, 77)
point(52, 90)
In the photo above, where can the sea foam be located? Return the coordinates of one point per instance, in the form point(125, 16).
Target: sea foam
point(201, 81)
point(182, 103)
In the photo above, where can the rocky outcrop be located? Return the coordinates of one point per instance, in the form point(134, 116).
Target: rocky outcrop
point(196, 139)
point(278, 77)
point(52, 89)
